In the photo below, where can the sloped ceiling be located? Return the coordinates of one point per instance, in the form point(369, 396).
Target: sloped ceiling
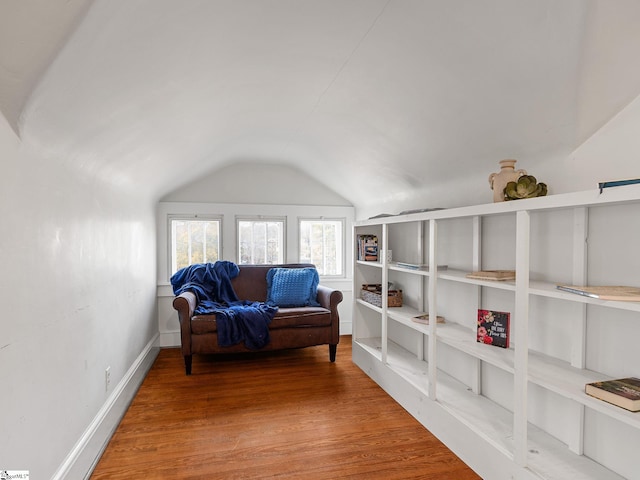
point(384, 96)
point(31, 34)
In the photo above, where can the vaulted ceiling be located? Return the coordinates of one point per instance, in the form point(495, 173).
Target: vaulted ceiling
point(363, 95)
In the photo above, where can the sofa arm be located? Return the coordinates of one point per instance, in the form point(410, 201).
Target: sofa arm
point(185, 304)
point(329, 298)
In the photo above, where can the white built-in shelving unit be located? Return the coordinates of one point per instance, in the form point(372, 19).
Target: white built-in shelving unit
point(521, 412)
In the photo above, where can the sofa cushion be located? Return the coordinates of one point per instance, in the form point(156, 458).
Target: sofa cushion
point(292, 287)
point(284, 318)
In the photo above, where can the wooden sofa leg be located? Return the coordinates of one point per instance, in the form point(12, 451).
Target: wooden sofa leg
point(187, 364)
point(332, 352)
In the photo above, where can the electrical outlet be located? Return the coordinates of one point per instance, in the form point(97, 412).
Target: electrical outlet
point(107, 378)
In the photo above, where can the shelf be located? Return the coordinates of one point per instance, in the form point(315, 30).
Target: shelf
point(567, 381)
point(550, 459)
point(587, 198)
point(547, 456)
point(542, 289)
point(458, 337)
point(359, 301)
point(461, 276)
point(492, 422)
point(546, 289)
point(548, 372)
point(404, 314)
point(369, 263)
point(373, 346)
point(415, 271)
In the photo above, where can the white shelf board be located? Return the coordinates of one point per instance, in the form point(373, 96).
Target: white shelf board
point(550, 459)
point(547, 289)
point(416, 271)
point(373, 346)
point(404, 314)
point(587, 198)
point(369, 263)
point(461, 276)
point(408, 366)
point(483, 416)
point(458, 337)
point(369, 305)
point(567, 381)
point(464, 339)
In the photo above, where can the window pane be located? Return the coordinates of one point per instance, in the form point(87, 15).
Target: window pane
point(260, 241)
point(321, 244)
point(194, 241)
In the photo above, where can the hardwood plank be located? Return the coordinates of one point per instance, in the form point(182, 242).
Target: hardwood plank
point(289, 414)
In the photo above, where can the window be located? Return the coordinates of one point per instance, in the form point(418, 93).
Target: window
point(321, 243)
point(260, 241)
point(193, 240)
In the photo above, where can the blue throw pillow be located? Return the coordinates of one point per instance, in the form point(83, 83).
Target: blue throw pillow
point(292, 287)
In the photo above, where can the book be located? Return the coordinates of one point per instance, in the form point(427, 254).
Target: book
point(619, 293)
point(617, 183)
point(623, 392)
point(418, 266)
point(493, 328)
point(419, 210)
point(424, 319)
point(498, 275)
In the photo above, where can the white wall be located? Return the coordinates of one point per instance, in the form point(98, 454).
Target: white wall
point(258, 183)
point(78, 291)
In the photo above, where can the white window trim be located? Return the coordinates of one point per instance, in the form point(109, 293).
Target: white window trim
point(343, 221)
point(205, 217)
point(261, 218)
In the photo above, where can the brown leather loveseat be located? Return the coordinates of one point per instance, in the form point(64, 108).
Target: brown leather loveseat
point(291, 327)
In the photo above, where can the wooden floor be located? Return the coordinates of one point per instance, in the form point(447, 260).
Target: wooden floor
point(290, 414)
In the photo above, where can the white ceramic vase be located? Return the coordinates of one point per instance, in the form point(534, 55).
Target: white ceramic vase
point(507, 174)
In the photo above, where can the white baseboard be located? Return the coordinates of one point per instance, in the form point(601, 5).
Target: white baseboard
point(84, 456)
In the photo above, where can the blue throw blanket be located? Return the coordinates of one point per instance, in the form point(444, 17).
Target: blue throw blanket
point(237, 320)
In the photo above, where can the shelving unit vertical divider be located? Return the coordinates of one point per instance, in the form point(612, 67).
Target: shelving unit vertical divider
point(575, 440)
point(382, 255)
point(579, 277)
point(421, 299)
point(433, 312)
point(521, 356)
point(476, 387)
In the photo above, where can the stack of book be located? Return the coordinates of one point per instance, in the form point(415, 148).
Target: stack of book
point(368, 248)
point(497, 275)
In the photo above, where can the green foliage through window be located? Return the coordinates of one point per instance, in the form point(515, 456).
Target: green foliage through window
point(194, 241)
point(321, 244)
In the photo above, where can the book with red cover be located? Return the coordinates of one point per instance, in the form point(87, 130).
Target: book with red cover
point(623, 392)
point(493, 328)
